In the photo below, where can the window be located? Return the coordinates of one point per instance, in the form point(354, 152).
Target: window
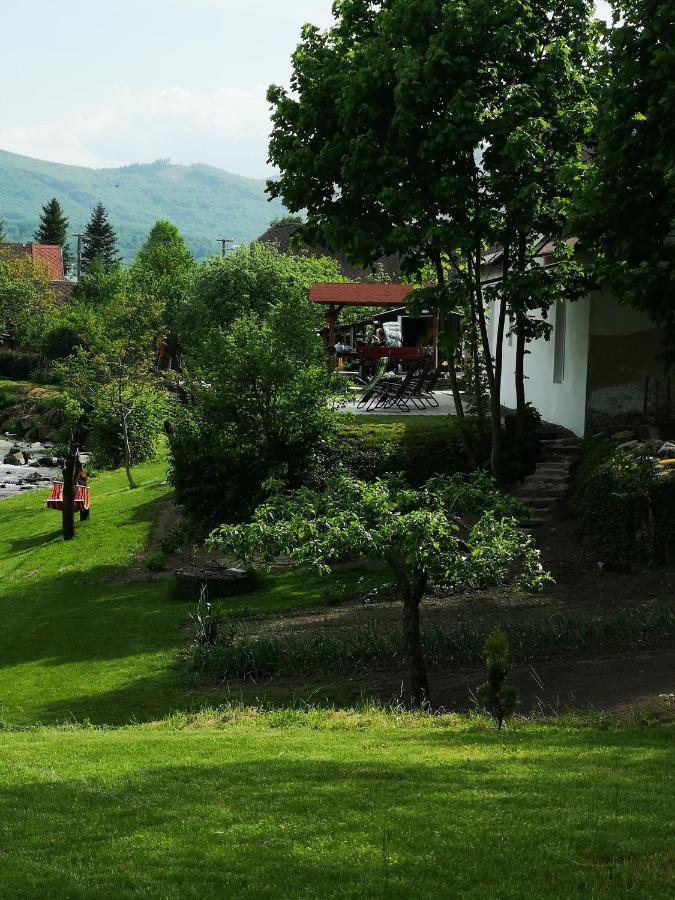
point(559, 342)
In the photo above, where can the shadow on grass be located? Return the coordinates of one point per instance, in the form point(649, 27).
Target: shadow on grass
point(291, 813)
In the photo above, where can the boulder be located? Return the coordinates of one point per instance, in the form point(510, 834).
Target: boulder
point(667, 451)
point(14, 458)
point(628, 446)
point(624, 435)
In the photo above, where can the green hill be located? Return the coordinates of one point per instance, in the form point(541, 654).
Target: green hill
point(205, 203)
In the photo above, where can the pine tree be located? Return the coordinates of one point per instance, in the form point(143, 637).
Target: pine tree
point(99, 241)
point(53, 229)
point(3, 236)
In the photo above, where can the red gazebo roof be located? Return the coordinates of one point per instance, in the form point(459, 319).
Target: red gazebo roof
point(360, 294)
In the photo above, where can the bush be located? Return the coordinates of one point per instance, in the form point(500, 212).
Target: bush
point(627, 505)
point(496, 696)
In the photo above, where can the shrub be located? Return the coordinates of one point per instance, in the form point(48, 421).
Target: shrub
point(626, 504)
point(496, 696)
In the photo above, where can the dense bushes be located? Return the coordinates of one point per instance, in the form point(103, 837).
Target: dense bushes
point(627, 505)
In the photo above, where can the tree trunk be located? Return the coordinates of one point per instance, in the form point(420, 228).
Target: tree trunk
point(68, 496)
point(127, 457)
point(411, 595)
point(520, 379)
point(520, 347)
point(496, 393)
point(454, 385)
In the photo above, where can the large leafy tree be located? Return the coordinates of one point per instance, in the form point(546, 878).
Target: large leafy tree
point(53, 229)
point(437, 128)
point(165, 269)
point(627, 213)
point(100, 240)
point(416, 532)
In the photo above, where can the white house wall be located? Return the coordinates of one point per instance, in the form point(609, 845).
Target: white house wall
point(564, 403)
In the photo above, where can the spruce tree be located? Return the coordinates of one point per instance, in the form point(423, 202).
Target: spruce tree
point(3, 236)
point(53, 229)
point(99, 241)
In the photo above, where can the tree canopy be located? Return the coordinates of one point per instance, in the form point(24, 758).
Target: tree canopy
point(99, 241)
point(53, 229)
point(627, 212)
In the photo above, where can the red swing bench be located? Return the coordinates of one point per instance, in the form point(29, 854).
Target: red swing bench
point(81, 498)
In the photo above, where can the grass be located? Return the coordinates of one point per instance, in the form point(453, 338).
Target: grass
point(291, 805)
point(246, 803)
point(81, 641)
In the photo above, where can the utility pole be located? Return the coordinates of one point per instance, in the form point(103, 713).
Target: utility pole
point(225, 244)
point(79, 255)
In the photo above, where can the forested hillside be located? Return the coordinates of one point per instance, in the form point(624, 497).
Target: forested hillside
point(204, 202)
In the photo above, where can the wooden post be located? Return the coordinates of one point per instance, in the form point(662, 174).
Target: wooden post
point(436, 319)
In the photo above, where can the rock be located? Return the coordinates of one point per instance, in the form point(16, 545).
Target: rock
point(667, 451)
point(14, 459)
point(34, 478)
point(34, 464)
point(643, 450)
point(46, 460)
point(628, 446)
point(624, 435)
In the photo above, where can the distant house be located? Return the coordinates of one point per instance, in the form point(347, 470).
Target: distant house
point(601, 367)
point(283, 236)
point(49, 255)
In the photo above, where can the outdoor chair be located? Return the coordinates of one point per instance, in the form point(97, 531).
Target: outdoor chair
point(372, 386)
point(428, 386)
point(398, 392)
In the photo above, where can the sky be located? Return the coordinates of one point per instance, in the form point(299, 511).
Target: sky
point(100, 83)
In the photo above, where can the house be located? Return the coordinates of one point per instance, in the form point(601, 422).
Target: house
point(286, 234)
point(601, 367)
point(47, 255)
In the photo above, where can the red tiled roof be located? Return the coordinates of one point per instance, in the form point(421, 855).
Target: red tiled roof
point(360, 294)
point(48, 254)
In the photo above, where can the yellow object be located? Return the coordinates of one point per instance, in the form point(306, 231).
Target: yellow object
point(667, 463)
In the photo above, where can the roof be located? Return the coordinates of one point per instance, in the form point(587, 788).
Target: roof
point(49, 254)
point(360, 294)
point(282, 235)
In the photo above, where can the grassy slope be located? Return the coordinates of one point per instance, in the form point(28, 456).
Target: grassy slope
point(78, 640)
point(371, 809)
point(204, 202)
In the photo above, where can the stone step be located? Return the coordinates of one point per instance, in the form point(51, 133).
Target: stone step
point(535, 502)
point(556, 468)
point(527, 492)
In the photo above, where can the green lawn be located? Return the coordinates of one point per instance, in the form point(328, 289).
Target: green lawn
point(337, 809)
point(290, 803)
point(78, 640)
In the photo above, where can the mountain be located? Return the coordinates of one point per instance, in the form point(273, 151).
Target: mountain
point(204, 202)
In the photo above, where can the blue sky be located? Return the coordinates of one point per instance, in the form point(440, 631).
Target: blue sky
point(108, 83)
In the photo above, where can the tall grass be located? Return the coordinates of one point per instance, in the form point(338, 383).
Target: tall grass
point(375, 649)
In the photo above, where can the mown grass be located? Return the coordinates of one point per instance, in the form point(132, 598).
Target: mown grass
point(299, 806)
point(78, 638)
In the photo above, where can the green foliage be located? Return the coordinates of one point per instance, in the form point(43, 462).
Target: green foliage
point(496, 696)
point(259, 408)
point(370, 648)
point(625, 505)
point(287, 220)
point(250, 281)
point(204, 202)
point(53, 229)
point(27, 303)
point(100, 241)
point(625, 215)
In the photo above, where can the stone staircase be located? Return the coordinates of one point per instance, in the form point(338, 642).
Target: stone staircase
point(542, 491)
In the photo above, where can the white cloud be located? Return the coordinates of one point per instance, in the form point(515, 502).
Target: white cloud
point(226, 127)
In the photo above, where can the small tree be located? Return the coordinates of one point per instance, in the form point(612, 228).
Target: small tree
point(100, 240)
point(53, 229)
point(417, 533)
point(3, 235)
point(496, 696)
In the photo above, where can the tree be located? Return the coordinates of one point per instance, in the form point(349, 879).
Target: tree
point(436, 129)
point(627, 210)
point(250, 280)
point(53, 229)
point(287, 220)
point(3, 235)
point(28, 305)
point(99, 241)
point(164, 269)
point(259, 407)
point(416, 532)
